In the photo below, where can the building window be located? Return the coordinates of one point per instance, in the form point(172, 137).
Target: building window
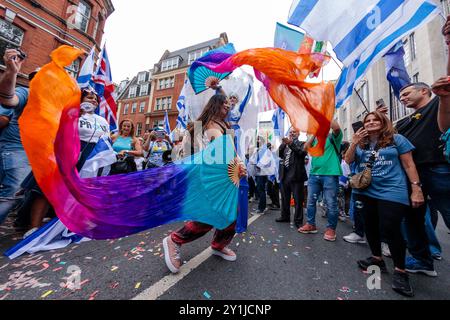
point(125, 109)
point(142, 107)
point(134, 107)
point(364, 94)
point(416, 78)
point(142, 76)
point(399, 111)
point(445, 7)
point(74, 68)
point(158, 123)
point(144, 89)
point(166, 83)
point(83, 16)
point(412, 46)
point(407, 56)
point(10, 37)
point(132, 93)
point(197, 54)
point(163, 104)
point(170, 64)
point(138, 129)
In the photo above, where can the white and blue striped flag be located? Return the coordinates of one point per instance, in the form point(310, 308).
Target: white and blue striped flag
point(103, 156)
point(183, 112)
point(87, 70)
point(167, 125)
point(361, 32)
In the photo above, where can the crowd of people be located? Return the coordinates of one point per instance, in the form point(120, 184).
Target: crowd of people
point(391, 180)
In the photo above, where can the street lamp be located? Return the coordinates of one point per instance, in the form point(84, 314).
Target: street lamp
point(10, 15)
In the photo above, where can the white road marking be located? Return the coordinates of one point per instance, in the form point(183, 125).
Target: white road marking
point(159, 288)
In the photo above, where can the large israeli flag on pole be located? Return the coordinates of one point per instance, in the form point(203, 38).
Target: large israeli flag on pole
point(361, 32)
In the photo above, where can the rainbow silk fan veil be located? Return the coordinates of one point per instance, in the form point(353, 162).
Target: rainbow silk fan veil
point(202, 188)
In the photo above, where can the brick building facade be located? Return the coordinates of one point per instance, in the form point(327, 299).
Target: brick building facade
point(39, 27)
point(133, 100)
point(166, 80)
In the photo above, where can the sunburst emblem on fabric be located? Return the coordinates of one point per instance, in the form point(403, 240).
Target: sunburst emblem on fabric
point(233, 171)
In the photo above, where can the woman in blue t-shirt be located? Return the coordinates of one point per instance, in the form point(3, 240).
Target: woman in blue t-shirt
point(385, 202)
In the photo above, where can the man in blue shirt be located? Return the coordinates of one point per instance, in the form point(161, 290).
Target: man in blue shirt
point(14, 166)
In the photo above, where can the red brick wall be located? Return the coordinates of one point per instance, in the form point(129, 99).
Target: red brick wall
point(38, 43)
point(137, 117)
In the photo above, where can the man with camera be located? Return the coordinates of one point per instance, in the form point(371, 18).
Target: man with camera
point(14, 166)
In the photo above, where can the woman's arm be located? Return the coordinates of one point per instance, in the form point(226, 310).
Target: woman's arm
point(408, 164)
point(137, 146)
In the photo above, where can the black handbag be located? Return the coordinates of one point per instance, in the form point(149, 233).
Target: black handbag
point(124, 165)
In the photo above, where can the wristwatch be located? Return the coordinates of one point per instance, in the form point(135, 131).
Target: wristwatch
point(419, 184)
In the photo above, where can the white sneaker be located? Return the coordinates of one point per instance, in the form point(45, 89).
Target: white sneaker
point(30, 232)
point(385, 250)
point(354, 238)
point(226, 254)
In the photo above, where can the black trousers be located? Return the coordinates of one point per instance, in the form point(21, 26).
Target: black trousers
point(251, 187)
point(273, 190)
point(383, 221)
point(287, 190)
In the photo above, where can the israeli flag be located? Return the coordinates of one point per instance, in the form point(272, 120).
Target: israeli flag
point(361, 32)
point(167, 124)
point(397, 74)
point(103, 156)
point(86, 71)
point(183, 112)
point(278, 120)
point(54, 235)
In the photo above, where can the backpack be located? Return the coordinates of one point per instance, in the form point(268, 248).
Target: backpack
point(446, 139)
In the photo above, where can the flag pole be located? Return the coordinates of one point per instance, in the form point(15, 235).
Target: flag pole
point(357, 93)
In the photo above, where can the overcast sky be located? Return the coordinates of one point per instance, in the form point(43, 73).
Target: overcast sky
point(139, 31)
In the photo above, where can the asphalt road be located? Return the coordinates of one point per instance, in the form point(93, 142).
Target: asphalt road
point(275, 262)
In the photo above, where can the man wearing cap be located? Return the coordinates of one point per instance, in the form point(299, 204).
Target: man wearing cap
point(14, 165)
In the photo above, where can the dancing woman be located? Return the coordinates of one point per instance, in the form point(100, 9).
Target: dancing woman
point(213, 126)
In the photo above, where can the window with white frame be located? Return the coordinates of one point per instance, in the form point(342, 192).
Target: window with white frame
point(132, 92)
point(407, 56)
point(163, 104)
point(138, 129)
point(197, 54)
point(166, 83)
point(144, 89)
point(142, 107)
point(170, 64)
point(125, 109)
point(83, 16)
point(11, 37)
point(141, 77)
point(74, 68)
point(412, 46)
point(364, 94)
point(134, 107)
point(158, 123)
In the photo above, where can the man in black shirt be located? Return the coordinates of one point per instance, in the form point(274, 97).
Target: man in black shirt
point(421, 128)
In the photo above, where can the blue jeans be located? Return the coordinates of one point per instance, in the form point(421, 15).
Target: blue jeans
point(329, 185)
point(14, 167)
point(436, 185)
point(435, 246)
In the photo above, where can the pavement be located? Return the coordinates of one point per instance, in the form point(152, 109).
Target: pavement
point(274, 262)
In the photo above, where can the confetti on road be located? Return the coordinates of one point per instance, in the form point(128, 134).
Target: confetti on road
point(345, 290)
point(114, 285)
point(137, 285)
point(57, 269)
point(92, 296)
point(276, 250)
point(114, 268)
point(45, 295)
point(206, 295)
point(295, 253)
point(62, 262)
point(325, 262)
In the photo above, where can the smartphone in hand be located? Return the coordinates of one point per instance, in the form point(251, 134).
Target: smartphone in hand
point(357, 125)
